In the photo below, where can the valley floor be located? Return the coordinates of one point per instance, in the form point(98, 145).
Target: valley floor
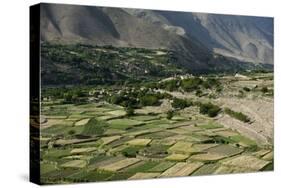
point(99, 141)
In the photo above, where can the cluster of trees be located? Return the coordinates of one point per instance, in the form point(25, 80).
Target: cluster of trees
point(237, 115)
point(102, 64)
point(211, 83)
point(189, 84)
point(62, 53)
point(209, 109)
point(149, 100)
point(181, 103)
point(123, 100)
point(69, 95)
point(137, 99)
point(70, 98)
point(204, 108)
point(171, 85)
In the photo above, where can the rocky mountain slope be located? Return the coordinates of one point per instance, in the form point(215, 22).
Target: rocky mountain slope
point(243, 37)
point(192, 37)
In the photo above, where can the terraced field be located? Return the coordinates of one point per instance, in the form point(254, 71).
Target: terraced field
point(99, 142)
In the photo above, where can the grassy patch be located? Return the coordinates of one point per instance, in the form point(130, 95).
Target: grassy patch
point(182, 147)
point(121, 176)
point(243, 140)
point(74, 164)
point(144, 118)
point(207, 157)
point(107, 140)
point(98, 158)
point(247, 161)
point(61, 110)
point(120, 164)
point(139, 142)
point(225, 149)
point(268, 167)
point(94, 127)
point(123, 124)
point(47, 167)
point(154, 151)
point(117, 113)
point(206, 169)
point(96, 175)
point(143, 167)
point(62, 128)
point(210, 125)
point(157, 135)
point(58, 175)
point(119, 142)
point(82, 122)
point(162, 167)
point(56, 153)
point(177, 157)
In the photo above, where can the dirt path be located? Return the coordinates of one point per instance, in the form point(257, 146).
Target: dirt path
point(243, 128)
point(261, 113)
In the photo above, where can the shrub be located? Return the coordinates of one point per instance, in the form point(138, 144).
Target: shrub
point(241, 94)
point(67, 98)
point(237, 115)
point(130, 111)
point(264, 89)
point(170, 114)
point(210, 109)
point(131, 151)
point(219, 89)
point(219, 140)
point(246, 89)
point(71, 132)
point(198, 93)
point(212, 96)
point(213, 112)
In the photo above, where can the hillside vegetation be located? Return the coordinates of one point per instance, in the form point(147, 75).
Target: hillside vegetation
point(90, 65)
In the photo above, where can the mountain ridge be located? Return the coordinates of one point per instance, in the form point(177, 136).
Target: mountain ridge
point(246, 38)
point(153, 29)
